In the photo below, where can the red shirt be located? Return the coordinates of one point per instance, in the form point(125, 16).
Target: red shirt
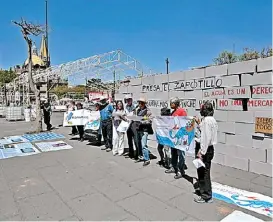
point(179, 112)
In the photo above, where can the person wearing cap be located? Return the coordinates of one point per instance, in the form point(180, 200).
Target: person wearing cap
point(144, 128)
point(130, 108)
point(81, 127)
point(106, 111)
point(177, 156)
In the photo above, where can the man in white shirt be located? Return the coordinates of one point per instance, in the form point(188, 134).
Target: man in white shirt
point(205, 151)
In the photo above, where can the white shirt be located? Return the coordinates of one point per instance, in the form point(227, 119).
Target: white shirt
point(208, 129)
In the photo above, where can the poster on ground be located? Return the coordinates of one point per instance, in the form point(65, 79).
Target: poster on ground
point(263, 125)
point(175, 132)
point(16, 139)
point(76, 118)
point(93, 121)
point(255, 202)
point(53, 146)
point(20, 149)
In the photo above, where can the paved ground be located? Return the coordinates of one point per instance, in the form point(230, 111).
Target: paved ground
point(86, 183)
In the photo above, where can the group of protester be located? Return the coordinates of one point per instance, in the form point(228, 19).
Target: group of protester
point(111, 117)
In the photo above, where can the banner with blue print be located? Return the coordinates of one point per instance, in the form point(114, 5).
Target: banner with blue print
point(76, 118)
point(93, 121)
point(176, 132)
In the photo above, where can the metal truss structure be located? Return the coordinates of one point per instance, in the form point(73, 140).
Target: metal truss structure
point(109, 67)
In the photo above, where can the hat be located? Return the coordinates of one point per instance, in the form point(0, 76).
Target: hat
point(102, 98)
point(128, 96)
point(142, 99)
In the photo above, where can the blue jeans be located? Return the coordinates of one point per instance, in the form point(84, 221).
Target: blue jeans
point(145, 150)
point(178, 160)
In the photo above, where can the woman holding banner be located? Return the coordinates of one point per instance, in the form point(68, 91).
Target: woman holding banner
point(81, 127)
point(118, 136)
point(205, 151)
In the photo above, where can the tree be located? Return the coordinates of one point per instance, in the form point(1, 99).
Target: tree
point(7, 76)
point(28, 29)
point(225, 57)
point(266, 52)
point(248, 54)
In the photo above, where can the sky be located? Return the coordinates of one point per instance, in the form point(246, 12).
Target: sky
point(189, 32)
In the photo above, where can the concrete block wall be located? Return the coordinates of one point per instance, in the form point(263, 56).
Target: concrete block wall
point(240, 92)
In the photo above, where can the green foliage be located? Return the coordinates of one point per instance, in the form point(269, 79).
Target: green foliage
point(60, 91)
point(7, 76)
point(227, 57)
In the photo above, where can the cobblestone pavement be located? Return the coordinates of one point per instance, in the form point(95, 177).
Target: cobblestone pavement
point(85, 183)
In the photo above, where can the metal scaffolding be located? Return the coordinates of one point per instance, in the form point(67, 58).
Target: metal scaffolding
point(98, 66)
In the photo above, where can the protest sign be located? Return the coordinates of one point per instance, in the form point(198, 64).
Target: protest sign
point(175, 132)
point(53, 146)
point(76, 118)
point(93, 121)
point(263, 125)
point(20, 149)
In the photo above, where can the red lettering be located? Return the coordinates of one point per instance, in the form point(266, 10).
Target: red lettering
point(260, 103)
point(262, 90)
point(223, 103)
point(237, 102)
point(230, 92)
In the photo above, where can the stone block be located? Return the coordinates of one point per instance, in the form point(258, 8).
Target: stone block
point(229, 104)
point(269, 155)
point(260, 113)
point(256, 79)
point(262, 91)
point(259, 104)
point(195, 94)
point(213, 93)
point(135, 82)
point(236, 162)
point(244, 128)
point(148, 80)
point(216, 71)
point(221, 137)
point(260, 168)
point(240, 140)
point(133, 89)
point(226, 127)
point(176, 76)
point(251, 154)
point(119, 96)
point(162, 96)
point(264, 64)
point(241, 116)
point(179, 94)
point(218, 158)
point(123, 89)
point(155, 111)
point(221, 115)
point(200, 102)
point(237, 92)
point(242, 67)
point(225, 149)
point(194, 74)
point(228, 81)
point(261, 142)
point(162, 78)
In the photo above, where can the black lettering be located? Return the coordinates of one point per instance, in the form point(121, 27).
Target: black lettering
point(218, 82)
point(176, 85)
point(157, 88)
point(200, 83)
point(164, 86)
point(144, 88)
point(207, 84)
point(187, 84)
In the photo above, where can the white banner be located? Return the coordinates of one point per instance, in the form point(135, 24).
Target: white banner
point(76, 118)
point(175, 132)
point(53, 146)
point(93, 121)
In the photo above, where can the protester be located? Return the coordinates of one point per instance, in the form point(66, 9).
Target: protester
point(47, 114)
point(80, 127)
point(97, 108)
point(205, 151)
point(130, 109)
point(72, 107)
point(144, 128)
point(106, 110)
point(118, 137)
point(162, 151)
point(178, 156)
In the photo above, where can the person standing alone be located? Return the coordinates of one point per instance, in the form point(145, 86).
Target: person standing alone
point(205, 151)
point(47, 114)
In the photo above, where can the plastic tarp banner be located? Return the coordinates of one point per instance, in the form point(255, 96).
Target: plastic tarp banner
point(176, 132)
point(76, 118)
